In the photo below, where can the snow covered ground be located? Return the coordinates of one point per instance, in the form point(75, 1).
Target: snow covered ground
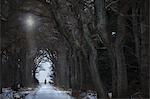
point(44, 92)
point(48, 92)
point(88, 95)
point(8, 93)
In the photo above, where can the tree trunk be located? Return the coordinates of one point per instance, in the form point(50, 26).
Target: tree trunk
point(63, 67)
point(144, 64)
point(0, 76)
point(74, 69)
point(81, 64)
point(28, 72)
point(136, 31)
point(101, 26)
point(95, 73)
point(100, 21)
point(93, 65)
point(122, 80)
point(111, 51)
point(121, 72)
point(149, 46)
point(0, 73)
point(145, 50)
point(0, 61)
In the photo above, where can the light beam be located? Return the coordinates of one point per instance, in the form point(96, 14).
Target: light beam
point(30, 21)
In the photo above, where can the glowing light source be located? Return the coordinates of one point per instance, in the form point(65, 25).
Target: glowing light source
point(30, 21)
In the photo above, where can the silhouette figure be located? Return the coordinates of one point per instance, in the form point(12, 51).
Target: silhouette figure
point(45, 81)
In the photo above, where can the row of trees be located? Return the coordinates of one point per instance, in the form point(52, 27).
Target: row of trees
point(101, 45)
point(122, 27)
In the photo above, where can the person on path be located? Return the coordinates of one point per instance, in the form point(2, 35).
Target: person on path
point(45, 81)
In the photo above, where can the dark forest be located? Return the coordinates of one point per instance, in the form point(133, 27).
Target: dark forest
point(95, 49)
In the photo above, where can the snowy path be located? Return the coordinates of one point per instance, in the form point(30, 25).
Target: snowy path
point(48, 92)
